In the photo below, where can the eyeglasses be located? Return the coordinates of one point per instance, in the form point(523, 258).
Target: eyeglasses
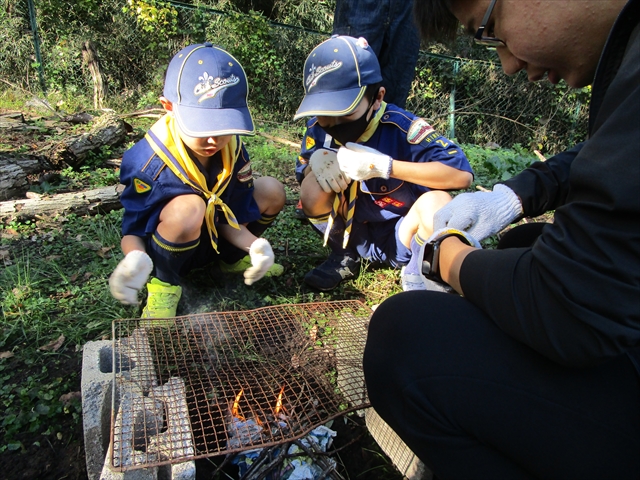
point(480, 39)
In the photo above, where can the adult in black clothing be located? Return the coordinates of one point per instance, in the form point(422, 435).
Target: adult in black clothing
point(391, 32)
point(535, 371)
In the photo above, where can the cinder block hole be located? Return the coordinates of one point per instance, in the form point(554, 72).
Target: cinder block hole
point(147, 424)
point(122, 361)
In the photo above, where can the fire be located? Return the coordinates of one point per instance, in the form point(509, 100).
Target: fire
point(236, 406)
point(279, 402)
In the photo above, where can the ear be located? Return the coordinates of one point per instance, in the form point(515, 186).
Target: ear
point(168, 106)
point(379, 98)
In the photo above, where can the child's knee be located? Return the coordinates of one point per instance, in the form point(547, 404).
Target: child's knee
point(315, 201)
point(430, 202)
point(184, 213)
point(269, 194)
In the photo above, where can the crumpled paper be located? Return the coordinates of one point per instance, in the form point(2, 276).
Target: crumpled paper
point(297, 468)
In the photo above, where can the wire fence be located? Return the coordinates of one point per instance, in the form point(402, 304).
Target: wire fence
point(470, 100)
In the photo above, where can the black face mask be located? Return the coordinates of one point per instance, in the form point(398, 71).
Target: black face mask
point(351, 131)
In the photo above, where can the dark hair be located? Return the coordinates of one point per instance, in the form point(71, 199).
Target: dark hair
point(434, 20)
point(372, 90)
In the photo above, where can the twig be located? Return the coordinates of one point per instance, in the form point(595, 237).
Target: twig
point(541, 157)
point(280, 140)
point(151, 112)
point(221, 466)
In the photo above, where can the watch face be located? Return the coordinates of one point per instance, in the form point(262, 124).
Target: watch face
point(429, 260)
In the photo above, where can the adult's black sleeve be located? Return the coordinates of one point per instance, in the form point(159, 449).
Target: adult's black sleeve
point(575, 295)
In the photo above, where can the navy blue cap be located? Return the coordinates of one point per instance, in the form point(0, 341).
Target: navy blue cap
point(336, 75)
point(208, 89)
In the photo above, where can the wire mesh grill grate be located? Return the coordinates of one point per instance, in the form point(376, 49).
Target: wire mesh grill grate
point(217, 383)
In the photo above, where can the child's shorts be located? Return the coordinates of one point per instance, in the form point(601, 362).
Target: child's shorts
point(379, 242)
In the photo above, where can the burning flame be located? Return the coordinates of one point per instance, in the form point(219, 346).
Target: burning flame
point(279, 402)
point(236, 406)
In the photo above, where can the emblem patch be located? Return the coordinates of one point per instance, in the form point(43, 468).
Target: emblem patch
point(388, 201)
point(140, 186)
point(418, 131)
point(316, 73)
point(245, 173)
point(309, 143)
point(209, 86)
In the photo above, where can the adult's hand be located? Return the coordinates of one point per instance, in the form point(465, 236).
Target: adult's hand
point(130, 276)
point(480, 214)
point(324, 165)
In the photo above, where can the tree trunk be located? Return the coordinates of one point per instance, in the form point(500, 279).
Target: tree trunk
point(90, 58)
point(88, 202)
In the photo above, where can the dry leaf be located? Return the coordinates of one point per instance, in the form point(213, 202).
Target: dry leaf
point(67, 398)
point(54, 345)
point(51, 258)
point(102, 253)
point(91, 245)
point(6, 354)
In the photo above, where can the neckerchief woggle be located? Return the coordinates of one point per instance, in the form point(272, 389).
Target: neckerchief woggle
point(165, 142)
point(350, 195)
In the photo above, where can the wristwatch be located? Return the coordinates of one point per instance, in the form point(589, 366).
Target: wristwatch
point(431, 257)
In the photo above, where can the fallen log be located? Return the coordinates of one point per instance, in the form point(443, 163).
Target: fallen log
point(86, 202)
point(14, 170)
point(108, 130)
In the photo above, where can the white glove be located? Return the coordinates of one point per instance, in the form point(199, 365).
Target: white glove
point(480, 214)
point(324, 165)
point(262, 258)
point(130, 276)
point(362, 163)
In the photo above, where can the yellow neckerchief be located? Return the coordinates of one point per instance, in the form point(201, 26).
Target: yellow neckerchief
point(166, 143)
point(351, 194)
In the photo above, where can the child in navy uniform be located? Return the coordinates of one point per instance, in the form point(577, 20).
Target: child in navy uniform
point(369, 171)
point(190, 197)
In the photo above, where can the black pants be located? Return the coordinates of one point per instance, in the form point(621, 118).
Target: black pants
point(472, 402)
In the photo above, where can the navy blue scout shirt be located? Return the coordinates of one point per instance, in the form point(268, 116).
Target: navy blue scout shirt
point(403, 136)
point(150, 184)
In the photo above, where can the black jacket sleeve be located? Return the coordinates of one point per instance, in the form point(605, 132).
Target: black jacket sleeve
point(544, 185)
point(575, 295)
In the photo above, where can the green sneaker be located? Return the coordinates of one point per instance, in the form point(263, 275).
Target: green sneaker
point(162, 300)
point(241, 265)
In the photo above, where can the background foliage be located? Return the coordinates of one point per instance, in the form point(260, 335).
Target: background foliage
point(460, 89)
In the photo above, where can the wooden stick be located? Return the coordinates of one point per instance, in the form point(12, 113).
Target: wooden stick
point(280, 140)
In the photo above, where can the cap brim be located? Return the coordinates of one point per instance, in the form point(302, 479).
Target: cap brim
point(212, 122)
point(330, 104)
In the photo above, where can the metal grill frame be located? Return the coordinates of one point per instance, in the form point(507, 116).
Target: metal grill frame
point(178, 383)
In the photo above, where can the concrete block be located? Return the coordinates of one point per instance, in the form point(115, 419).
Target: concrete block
point(407, 463)
point(183, 471)
point(108, 473)
point(96, 386)
point(142, 402)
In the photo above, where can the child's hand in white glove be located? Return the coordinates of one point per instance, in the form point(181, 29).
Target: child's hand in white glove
point(130, 276)
point(480, 214)
point(262, 258)
point(362, 163)
point(324, 165)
